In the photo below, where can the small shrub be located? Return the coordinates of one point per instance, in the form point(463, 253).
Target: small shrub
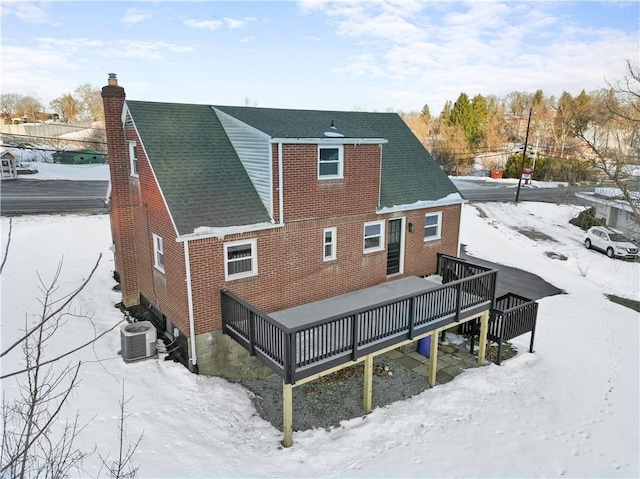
point(586, 219)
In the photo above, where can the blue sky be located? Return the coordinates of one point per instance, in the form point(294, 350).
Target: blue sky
point(365, 55)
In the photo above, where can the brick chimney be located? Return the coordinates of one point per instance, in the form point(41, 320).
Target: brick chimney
point(122, 207)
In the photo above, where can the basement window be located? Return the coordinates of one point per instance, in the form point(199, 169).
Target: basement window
point(240, 259)
point(133, 158)
point(158, 253)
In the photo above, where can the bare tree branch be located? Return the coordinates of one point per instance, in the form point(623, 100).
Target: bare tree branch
point(6, 249)
point(54, 313)
point(92, 341)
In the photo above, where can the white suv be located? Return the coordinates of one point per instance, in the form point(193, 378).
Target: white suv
point(613, 243)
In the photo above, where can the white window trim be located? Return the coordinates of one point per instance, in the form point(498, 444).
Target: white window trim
point(134, 165)
point(158, 248)
point(334, 244)
point(380, 247)
point(438, 234)
point(254, 260)
point(340, 149)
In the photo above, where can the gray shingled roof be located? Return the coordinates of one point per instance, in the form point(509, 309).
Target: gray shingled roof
point(205, 183)
point(409, 172)
point(198, 171)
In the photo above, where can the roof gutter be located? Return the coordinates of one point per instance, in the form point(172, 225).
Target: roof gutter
point(331, 141)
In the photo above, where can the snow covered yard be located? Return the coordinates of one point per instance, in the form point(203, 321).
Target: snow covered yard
point(570, 409)
point(54, 171)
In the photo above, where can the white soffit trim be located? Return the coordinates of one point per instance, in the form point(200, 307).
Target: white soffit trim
point(332, 141)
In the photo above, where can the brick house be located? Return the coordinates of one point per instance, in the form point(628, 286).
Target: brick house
point(281, 207)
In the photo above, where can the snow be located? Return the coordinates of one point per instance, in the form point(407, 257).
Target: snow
point(570, 409)
point(202, 232)
point(450, 199)
point(55, 171)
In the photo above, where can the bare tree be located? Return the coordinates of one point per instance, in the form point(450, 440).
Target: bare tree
point(67, 106)
point(31, 446)
point(29, 107)
point(91, 99)
point(418, 124)
point(9, 103)
point(122, 467)
point(610, 125)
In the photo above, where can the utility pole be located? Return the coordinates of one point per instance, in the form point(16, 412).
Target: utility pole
point(524, 155)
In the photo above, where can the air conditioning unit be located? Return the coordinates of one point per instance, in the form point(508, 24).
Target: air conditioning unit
point(137, 340)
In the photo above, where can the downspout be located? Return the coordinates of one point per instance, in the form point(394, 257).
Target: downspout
point(380, 180)
point(192, 329)
point(280, 189)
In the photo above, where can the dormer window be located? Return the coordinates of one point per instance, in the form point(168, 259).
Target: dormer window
point(330, 160)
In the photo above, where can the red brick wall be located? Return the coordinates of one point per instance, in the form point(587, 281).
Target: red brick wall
point(307, 197)
point(166, 290)
point(121, 206)
point(291, 270)
point(137, 211)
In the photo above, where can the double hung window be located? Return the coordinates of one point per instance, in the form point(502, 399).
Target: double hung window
point(432, 226)
point(330, 162)
point(373, 236)
point(329, 244)
point(133, 158)
point(158, 253)
point(240, 259)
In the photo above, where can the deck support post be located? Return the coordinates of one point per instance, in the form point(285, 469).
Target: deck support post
point(433, 358)
point(368, 383)
point(482, 340)
point(287, 414)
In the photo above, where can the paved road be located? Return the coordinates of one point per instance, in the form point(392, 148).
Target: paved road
point(512, 280)
point(493, 191)
point(30, 196)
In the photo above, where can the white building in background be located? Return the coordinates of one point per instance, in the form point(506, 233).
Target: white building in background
point(614, 209)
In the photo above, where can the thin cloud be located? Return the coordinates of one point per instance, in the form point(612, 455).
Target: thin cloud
point(206, 24)
point(135, 15)
point(230, 23)
point(485, 48)
point(26, 11)
point(234, 23)
point(148, 51)
point(72, 49)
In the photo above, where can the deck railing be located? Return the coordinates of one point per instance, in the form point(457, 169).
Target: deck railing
point(296, 353)
point(512, 316)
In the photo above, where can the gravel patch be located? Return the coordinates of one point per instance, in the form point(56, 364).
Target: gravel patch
point(325, 402)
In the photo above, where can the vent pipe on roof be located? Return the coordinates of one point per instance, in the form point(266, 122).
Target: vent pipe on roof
point(113, 80)
point(333, 125)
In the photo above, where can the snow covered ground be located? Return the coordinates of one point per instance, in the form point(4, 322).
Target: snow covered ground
point(54, 171)
point(570, 409)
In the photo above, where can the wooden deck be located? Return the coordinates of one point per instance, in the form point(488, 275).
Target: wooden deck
point(315, 339)
point(306, 340)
